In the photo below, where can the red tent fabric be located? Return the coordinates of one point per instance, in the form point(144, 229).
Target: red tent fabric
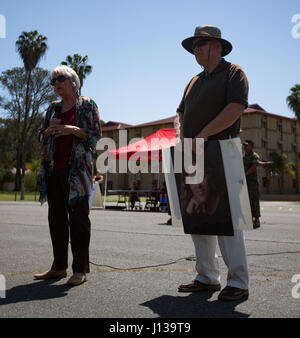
point(147, 149)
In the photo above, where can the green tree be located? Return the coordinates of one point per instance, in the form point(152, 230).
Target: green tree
point(31, 46)
point(7, 153)
point(34, 165)
point(79, 65)
point(31, 178)
point(280, 167)
point(21, 137)
point(293, 100)
point(7, 143)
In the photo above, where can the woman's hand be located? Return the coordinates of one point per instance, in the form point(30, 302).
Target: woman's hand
point(63, 130)
point(58, 130)
point(54, 121)
point(49, 130)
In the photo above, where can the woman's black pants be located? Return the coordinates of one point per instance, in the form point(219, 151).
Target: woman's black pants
point(64, 219)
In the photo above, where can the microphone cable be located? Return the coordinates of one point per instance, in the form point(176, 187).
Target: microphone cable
point(190, 258)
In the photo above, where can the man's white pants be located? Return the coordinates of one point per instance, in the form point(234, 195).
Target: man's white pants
point(234, 255)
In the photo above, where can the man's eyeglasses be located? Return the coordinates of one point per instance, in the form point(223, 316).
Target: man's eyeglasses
point(200, 43)
point(60, 78)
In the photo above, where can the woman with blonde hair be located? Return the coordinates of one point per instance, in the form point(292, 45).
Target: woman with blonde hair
point(69, 134)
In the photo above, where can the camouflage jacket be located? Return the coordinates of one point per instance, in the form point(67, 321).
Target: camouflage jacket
point(249, 160)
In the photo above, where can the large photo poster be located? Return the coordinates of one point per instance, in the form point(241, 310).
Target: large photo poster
point(236, 184)
point(220, 203)
point(205, 206)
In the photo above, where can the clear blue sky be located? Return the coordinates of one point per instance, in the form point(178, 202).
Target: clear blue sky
point(139, 67)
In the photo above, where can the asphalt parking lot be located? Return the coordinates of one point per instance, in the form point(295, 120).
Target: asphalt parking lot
point(137, 263)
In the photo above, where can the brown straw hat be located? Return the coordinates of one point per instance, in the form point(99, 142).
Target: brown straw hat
point(207, 32)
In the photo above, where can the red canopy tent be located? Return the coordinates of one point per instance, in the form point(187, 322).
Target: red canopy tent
point(147, 149)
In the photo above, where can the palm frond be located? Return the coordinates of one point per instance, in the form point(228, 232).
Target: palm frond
point(31, 46)
point(293, 100)
point(78, 64)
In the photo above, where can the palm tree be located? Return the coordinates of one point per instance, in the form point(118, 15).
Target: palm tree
point(280, 167)
point(78, 63)
point(31, 46)
point(293, 100)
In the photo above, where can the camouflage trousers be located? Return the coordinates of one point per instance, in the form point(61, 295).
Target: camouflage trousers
point(254, 196)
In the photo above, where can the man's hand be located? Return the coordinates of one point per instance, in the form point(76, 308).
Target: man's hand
point(265, 164)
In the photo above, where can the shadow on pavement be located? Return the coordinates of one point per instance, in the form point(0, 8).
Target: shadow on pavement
point(195, 305)
point(38, 290)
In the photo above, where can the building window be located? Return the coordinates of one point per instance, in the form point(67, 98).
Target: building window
point(279, 145)
point(279, 125)
point(264, 142)
point(294, 147)
point(264, 122)
point(294, 128)
point(138, 132)
point(295, 183)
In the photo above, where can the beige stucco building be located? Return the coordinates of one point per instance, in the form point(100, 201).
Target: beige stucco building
point(269, 132)
point(145, 181)
point(273, 133)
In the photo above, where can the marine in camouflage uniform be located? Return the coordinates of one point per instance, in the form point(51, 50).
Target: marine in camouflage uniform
point(252, 160)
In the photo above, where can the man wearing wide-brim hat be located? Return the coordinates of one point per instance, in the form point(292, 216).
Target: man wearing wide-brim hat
point(211, 107)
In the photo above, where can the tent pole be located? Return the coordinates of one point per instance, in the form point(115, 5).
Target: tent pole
point(106, 174)
point(158, 178)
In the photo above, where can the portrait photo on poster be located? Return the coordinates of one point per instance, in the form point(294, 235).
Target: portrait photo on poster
point(205, 206)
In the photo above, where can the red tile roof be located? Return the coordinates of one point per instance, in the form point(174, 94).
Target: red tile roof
point(112, 125)
point(154, 123)
point(255, 108)
point(252, 108)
